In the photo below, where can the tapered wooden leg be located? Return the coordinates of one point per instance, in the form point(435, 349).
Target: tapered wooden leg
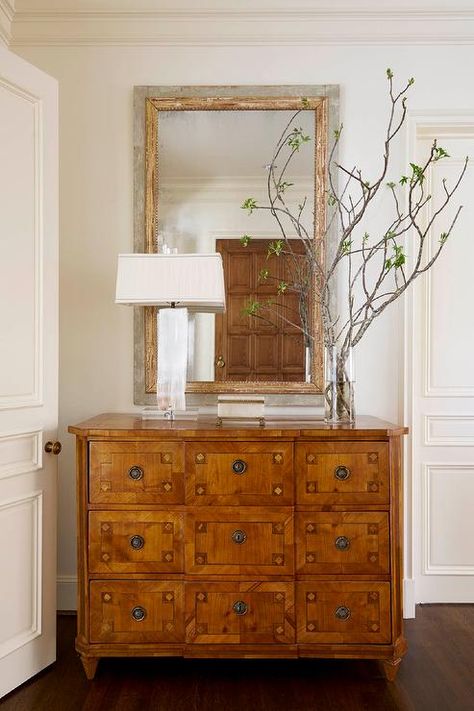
point(90, 665)
point(390, 668)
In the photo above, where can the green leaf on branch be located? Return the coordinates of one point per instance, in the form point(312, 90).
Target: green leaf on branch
point(245, 240)
point(297, 138)
point(331, 199)
point(391, 185)
point(398, 258)
point(346, 246)
point(281, 187)
point(443, 237)
point(249, 204)
point(365, 238)
point(411, 81)
point(440, 153)
point(417, 173)
point(282, 287)
point(403, 180)
point(275, 248)
point(337, 132)
point(389, 73)
point(252, 308)
point(263, 274)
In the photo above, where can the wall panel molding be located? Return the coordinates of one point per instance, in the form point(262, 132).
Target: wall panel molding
point(429, 567)
point(448, 430)
point(223, 26)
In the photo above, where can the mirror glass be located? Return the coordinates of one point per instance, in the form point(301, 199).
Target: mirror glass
point(207, 164)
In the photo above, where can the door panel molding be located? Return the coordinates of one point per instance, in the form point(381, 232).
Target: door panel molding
point(34, 396)
point(33, 626)
point(20, 452)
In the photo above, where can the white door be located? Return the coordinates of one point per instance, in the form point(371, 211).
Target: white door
point(442, 384)
point(28, 368)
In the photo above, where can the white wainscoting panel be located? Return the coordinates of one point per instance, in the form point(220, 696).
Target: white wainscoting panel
point(448, 362)
point(20, 247)
point(20, 453)
point(448, 519)
point(20, 565)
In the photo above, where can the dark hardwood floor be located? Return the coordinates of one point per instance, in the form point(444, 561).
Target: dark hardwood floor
point(436, 675)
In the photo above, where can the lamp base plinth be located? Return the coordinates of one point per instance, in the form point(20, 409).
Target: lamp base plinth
point(154, 413)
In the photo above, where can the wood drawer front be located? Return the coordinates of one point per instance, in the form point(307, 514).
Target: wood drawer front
point(267, 479)
point(113, 605)
point(135, 542)
point(267, 613)
point(342, 473)
point(343, 613)
point(342, 543)
point(136, 473)
point(212, 541)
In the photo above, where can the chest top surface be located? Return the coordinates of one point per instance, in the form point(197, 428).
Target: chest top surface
point(130, 425)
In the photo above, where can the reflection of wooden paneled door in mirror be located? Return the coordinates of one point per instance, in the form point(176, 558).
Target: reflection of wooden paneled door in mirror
point(250, 348)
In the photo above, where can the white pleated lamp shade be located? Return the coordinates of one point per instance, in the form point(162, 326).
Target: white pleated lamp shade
point(193, 281)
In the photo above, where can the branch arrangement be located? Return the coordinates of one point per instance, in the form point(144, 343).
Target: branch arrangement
point(378, 268)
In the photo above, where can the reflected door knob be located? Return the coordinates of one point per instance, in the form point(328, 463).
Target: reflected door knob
point(54, 447)
point(220, 362)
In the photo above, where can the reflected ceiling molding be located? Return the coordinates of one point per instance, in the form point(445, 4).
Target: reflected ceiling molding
point(203, 189)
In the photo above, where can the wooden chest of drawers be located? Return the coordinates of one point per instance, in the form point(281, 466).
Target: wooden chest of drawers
point(204, 541)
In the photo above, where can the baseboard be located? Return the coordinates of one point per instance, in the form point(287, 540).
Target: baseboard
point(66, 592)
point(408, 598)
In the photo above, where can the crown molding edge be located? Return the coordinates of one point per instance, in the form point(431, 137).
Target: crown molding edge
point(232, 28)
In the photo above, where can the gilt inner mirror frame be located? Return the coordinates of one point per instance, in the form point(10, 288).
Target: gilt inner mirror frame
point(176, 115)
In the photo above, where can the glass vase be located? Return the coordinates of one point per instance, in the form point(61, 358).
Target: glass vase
point(339, 385)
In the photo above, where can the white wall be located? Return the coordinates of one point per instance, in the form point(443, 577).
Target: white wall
point(96, 341)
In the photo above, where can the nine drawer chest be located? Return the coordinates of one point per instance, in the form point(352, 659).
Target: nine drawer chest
point(239, 541)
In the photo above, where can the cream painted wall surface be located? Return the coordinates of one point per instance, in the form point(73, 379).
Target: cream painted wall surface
point(96, 179)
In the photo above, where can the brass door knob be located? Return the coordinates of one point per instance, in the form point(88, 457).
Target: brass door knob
point(220, 362)
point(54, 447)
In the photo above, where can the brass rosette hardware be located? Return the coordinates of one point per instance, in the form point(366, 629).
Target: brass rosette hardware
point(342, 473)
point(135, 473)
point(240, 607)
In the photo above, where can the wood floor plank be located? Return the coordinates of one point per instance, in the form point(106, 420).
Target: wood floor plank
point(437, 674)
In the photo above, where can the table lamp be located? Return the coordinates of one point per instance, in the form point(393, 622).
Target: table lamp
point(176, 284)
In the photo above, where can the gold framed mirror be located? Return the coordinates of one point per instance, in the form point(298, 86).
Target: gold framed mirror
point(190, 144)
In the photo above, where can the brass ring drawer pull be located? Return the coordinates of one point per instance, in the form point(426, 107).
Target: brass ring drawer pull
point(137, 542)
point(239, 536)
point(342, 543)
point(342, 613)
point(239, 466)
point(135, 473)
point(138, 613)
point(342, 473)
point(240, 607)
